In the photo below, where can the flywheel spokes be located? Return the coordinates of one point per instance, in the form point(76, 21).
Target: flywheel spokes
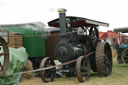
point(4, 52)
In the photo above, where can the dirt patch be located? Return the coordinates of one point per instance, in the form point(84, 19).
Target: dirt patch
point(32, 81)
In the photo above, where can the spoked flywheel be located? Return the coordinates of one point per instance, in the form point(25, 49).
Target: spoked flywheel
point(103, 59)
point(93, 32)
point(83, 69)
point(49, 74)
point(4, 56)
point(124, 56)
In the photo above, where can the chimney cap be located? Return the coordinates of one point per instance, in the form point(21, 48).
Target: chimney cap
point(62, 10)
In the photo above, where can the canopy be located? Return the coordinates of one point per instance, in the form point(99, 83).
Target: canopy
point(123, 30)
point(77, 22)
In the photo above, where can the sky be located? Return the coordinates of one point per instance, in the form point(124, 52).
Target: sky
point(113, 12)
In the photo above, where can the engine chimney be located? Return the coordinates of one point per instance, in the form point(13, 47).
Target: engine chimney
point(62, 19)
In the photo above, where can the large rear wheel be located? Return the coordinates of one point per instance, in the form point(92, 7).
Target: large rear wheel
point(103, 59)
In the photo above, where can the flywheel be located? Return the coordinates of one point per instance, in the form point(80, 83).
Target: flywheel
point(4, 56)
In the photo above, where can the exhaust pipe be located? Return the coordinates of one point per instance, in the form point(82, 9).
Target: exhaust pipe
point(62, 21)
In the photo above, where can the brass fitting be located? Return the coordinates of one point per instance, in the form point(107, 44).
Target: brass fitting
point(62, 10)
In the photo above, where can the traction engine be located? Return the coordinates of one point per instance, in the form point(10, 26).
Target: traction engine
point(79, 39)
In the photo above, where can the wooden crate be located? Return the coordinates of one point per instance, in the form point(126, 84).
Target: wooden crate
point(15, 40)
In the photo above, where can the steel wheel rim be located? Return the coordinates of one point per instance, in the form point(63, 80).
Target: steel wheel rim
point(47, 75)
point(103, 59)
point(107, 58)
point(125, 56)
point(5, 64)
point(82, 69)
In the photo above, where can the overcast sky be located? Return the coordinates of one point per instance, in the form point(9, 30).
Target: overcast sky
point(114, 12)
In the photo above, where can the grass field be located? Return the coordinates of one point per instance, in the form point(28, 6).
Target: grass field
point(119, 77)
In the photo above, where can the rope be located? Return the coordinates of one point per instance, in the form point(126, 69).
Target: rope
point(46, 68)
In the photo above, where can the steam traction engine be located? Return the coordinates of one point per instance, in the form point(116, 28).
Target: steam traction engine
point(79, 39)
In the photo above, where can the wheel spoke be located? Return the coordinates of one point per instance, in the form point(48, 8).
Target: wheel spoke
point(5, 53)
point(1, 54)
point(83, 74)
point(107, 69)
point(1, 66)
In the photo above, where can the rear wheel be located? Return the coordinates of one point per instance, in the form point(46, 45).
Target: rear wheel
point(49, 74)
point(103, 59)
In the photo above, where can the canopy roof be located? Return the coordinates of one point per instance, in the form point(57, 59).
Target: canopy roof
point(123, 30)
point(77, 22)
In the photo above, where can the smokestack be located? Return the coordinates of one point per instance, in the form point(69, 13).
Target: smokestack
point(62, 19)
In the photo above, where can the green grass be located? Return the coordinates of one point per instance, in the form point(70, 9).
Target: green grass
point(119, 76)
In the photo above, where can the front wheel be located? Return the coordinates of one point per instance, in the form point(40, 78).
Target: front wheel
point(49, 74)
point(83, 69)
